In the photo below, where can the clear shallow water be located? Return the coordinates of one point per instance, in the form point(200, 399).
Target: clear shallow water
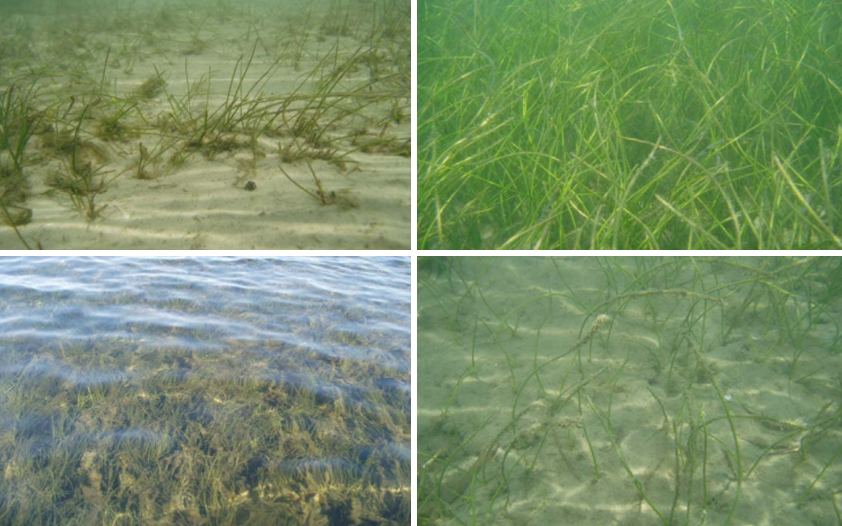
point(298, 367)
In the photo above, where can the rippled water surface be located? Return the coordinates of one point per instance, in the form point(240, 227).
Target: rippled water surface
point(204, 390)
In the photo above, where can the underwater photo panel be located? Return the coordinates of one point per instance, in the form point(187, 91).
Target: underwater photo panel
point(629, 390)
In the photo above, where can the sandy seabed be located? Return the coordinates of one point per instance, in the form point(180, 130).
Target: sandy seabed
point(590, 391)
point(171, 125)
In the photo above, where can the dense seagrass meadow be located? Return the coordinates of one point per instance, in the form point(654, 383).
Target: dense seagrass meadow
point(619, 124)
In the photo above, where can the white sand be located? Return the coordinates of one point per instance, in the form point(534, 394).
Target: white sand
point(202, 203)
point(751, 367)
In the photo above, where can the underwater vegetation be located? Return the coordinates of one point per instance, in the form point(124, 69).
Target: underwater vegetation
point(188, 445)
point(620, 124)
point(148, 409)
point(630, 390)
point(102, 92)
